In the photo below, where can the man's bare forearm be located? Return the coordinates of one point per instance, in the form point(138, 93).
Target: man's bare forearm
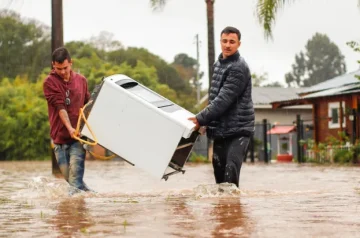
point(65, 119)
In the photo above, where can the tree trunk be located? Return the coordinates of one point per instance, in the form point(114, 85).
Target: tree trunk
point(210, 27)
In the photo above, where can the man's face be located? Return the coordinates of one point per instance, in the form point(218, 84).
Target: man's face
point(229, 44)
point(63, 69)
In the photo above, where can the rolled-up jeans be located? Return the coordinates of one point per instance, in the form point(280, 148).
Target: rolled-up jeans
point(71, 160)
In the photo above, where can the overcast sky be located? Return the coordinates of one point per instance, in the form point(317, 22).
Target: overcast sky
point(172, 30)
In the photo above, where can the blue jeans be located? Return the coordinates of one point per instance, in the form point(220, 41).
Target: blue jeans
point(71, 161)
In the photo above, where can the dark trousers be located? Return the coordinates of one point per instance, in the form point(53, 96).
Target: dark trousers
point(228, 155)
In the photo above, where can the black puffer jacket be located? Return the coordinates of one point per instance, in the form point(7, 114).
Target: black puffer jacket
point(230, 111)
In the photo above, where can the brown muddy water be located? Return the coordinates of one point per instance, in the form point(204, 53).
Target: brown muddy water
point(275, 200)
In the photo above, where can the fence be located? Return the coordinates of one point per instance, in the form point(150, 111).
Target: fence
point(268, 142)
point(262, 142)
point(333, 153)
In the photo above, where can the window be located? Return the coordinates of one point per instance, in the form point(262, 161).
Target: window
point(334, 114)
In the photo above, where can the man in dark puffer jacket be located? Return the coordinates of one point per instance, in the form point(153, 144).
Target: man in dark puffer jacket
point(229, 116)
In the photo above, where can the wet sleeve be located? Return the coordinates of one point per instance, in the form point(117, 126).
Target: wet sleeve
point(234, 85)
point(53, 95)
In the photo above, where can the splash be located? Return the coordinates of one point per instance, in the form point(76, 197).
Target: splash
point(217, 190)
point(46, 187)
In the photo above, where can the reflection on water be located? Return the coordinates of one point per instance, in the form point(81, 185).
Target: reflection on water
point(277, 200)
point(72, 216)
point(206, 217)
point(230, 219)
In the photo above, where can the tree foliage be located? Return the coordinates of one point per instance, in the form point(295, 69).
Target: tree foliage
point(105, 42)
point(322, 60)
point(24, 46)
point(187, 68)
point(165, 72)
point(23, 120)
point(356, 47)
point(157, 4)
point(261, 80)
point(266, 11)
point(258, 79)
point(274, 85)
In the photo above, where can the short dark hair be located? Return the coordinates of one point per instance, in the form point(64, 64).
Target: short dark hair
point(60, 55)
point(230, 29)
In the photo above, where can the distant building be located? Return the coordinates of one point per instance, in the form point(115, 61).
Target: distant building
point(262, 98)
point(335, 103)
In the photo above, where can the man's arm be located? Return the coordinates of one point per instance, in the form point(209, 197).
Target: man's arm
point(54, 97)
point(66, 121)
point(234, 85)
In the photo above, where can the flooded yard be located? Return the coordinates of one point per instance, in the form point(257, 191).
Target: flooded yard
point(275, 200)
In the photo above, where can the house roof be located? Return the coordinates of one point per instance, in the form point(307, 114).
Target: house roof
point(335, 91)
point(266, 95)
point(345, 79)
point(341, 85)
point(277, 130)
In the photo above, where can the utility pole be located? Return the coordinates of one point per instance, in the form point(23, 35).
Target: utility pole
point(57, 40)
point(210, 31)
point(211, 54)
point(197, 77)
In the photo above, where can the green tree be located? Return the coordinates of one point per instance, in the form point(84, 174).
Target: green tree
point(96, 69)
point(24, 46)
point(186, 67)
point(274, 85)
point(321, 61)
point(23, 120)
point(165, 72)
point(261, 80)
point(296, 76)
point(184, 60)
point(105, 41)
point(80, 49)
point(258, 79)
point(356, 47)
point(267, 10)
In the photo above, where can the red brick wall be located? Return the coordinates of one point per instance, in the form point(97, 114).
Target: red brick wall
point(322, 118)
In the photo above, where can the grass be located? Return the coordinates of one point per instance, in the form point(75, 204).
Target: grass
point(196, 158)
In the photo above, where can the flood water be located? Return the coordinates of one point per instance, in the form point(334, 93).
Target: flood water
point(275, 200)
